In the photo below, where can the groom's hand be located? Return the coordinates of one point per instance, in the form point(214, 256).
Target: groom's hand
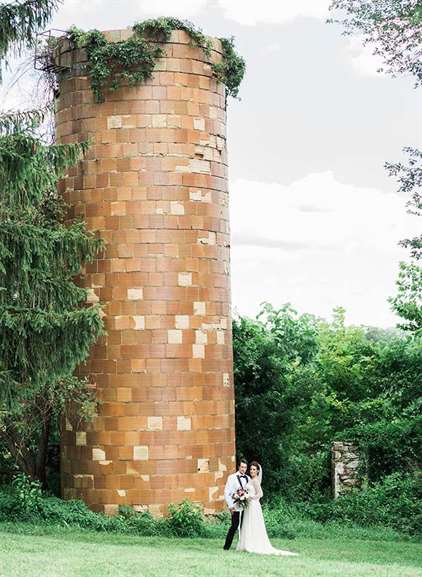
point(232, 509)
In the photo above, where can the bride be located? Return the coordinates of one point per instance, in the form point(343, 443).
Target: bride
point(253, 534)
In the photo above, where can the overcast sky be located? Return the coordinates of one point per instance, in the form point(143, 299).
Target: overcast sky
point(315, 219)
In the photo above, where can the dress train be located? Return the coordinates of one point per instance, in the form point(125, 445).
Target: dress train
point(253, 536)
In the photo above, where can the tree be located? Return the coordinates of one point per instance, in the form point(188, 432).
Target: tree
point(267, 352)
point(46, 326)
point(393, 28)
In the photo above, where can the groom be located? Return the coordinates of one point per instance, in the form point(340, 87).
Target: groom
point(234, 482)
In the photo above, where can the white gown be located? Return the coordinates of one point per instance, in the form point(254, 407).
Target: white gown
point(253, 536)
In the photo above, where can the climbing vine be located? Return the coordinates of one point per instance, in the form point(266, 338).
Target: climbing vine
point(160, 29)
point(231, 69)
point(133, 60)
point(110, 63)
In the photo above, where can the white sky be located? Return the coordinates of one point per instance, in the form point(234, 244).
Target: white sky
point(315, 220)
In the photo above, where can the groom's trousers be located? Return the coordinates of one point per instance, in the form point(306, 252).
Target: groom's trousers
point(232, 530)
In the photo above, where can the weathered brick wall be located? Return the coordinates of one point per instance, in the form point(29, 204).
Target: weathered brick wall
point(154, 183)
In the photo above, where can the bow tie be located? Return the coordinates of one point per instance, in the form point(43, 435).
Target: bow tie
point(243, 476)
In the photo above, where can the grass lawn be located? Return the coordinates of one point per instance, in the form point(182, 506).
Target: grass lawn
point(34, 552)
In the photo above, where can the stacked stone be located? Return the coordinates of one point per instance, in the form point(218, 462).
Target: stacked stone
point(345, 467)
point(154, 184)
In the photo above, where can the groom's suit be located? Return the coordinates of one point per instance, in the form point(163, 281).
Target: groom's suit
point(234, 482)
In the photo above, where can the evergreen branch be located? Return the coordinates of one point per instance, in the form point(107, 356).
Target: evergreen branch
point(7, 387)
point(39, 291)
point(60, 252)
point(42, 346)
point(23, 120)
point(29, 168)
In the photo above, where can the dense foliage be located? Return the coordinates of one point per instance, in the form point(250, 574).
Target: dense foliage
point(302, 383)
point(24, 500)
point(133, 60)
point(393, 502)
point(267, 353)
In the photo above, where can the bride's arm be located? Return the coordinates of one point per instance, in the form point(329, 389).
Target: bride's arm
point(258, 489)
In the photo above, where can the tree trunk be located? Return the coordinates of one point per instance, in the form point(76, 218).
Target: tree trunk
point(42, 453)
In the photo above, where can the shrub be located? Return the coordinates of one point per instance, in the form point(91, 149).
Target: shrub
point(130, 521)
point(307, 477)
point(7, 503)
point(24, 502)
point(394, 502)
point(186, 520)
point(28, 495)
point(73, 512)
point(278, 523)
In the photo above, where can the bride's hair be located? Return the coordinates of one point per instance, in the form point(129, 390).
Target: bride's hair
point(254, 464)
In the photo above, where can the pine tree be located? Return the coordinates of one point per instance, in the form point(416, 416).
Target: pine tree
point(46, 324)
point(46, 327)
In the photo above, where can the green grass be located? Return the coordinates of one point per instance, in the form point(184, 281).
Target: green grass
point(45, 551)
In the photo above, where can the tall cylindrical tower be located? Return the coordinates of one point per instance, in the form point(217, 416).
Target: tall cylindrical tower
point(154, 183)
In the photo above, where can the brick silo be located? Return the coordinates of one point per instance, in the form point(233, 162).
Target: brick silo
point(154, 183)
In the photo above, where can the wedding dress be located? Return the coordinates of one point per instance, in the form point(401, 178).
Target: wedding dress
point(253, 536)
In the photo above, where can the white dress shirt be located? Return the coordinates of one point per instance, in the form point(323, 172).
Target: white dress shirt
point(232, 485)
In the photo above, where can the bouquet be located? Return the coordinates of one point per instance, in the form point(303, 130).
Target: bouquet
point(240, 497)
